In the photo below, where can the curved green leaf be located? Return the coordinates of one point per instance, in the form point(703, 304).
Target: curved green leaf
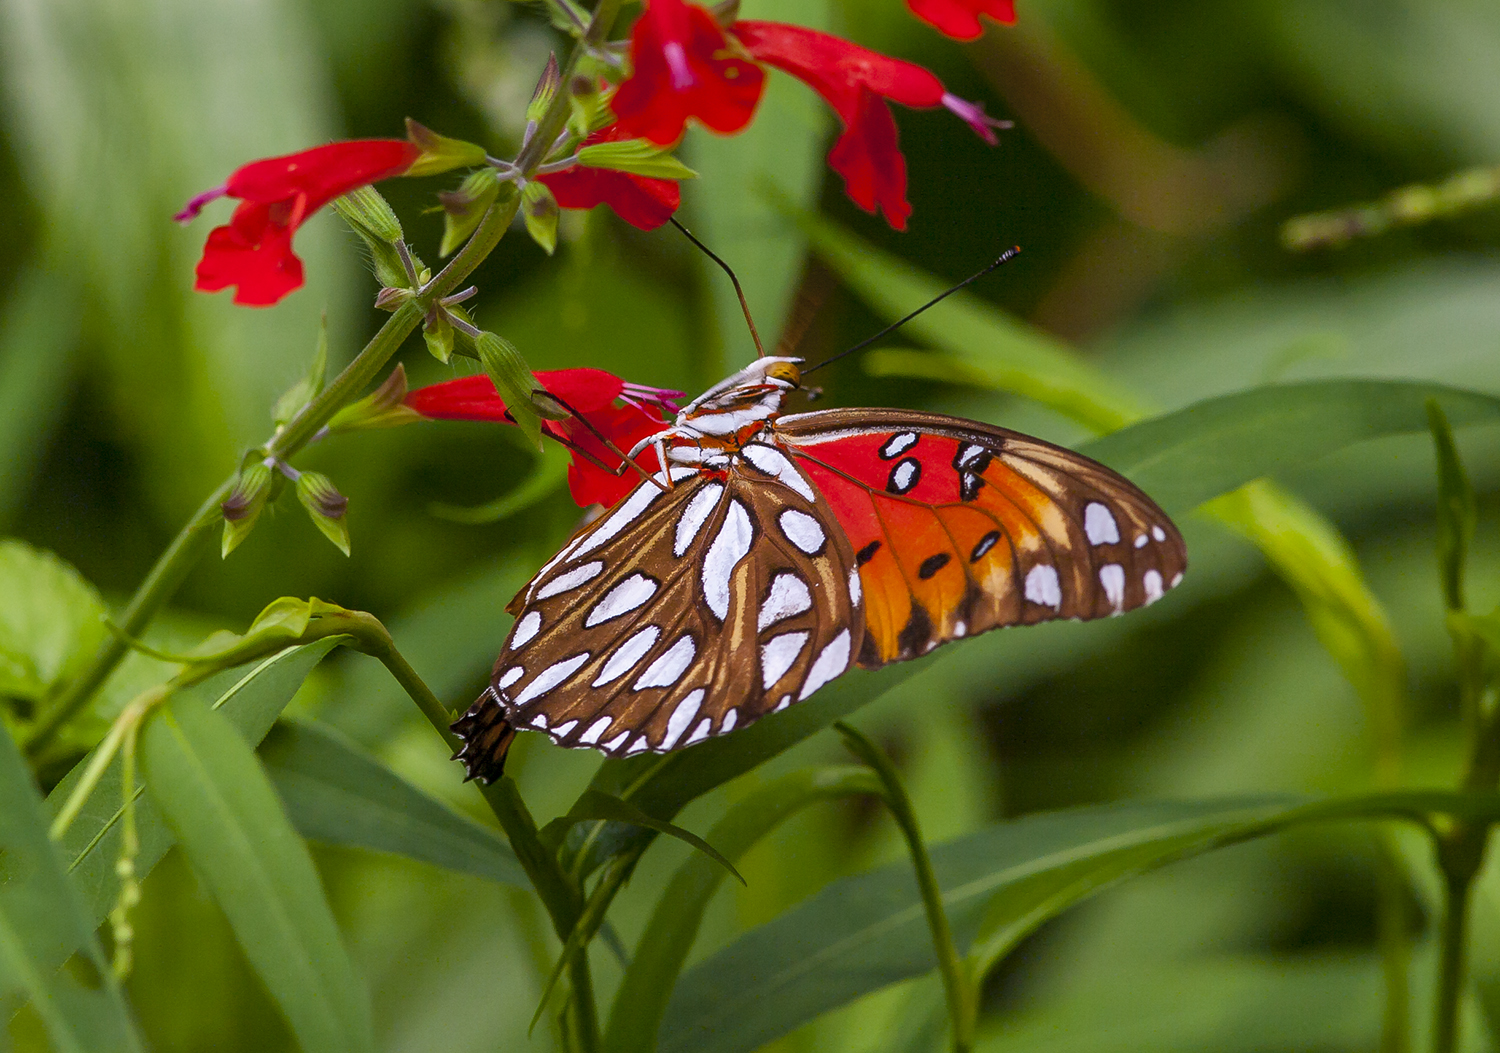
point(337, 793)
point(592, 804)
point(1211, 447)
point(217, 800)
point(43, 921)
point(50, 623)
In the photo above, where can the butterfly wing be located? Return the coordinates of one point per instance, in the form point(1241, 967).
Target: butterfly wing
point(677, 616)
point(959, 527)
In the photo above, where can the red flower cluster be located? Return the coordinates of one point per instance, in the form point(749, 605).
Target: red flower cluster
point(639, 200)
point(593, 394)
point(686, 65)
point(253, 252)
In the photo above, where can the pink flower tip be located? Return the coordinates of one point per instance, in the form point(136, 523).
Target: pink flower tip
point(192, 208)
point(972, 114)
point(639, 394)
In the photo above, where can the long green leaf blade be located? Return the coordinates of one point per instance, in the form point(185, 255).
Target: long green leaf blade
point(43, 920)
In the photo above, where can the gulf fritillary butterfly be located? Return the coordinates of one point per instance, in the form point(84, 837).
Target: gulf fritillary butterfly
point(773, 553)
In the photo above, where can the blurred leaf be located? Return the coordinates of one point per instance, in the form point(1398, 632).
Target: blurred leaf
point(38, 344)
point(862, 933)
point(216, 798)
point(663, 947)
point(51, 622)
point(1185, 457)
point(251, 700)
point(43, 921)
point(728, 205)
point(1457, 509)
point(990, 346)
point(336, 793)
point(592, 804)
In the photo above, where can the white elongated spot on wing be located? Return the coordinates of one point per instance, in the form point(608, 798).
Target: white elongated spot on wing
point(638, 745)
point(1151, 582)
point(571, 579)
point(904, 476)
point(786, 700)
point(700, 732)
point(1112, 577)
point(561, 731)
point(1176, 580)
point(830, 663)
point(614, 743)
point(1158, 533)
point(898, 444)
point(856, 592)
point(550, 677)
point(1140, 540)
point(627, 654)
point(968, 455)
point(669, 665)
point(730, 719)
point(621, 599)
point(681, 717)
point(802, 530)
point(526, 629)
point(596, 730)
point(629, 511)
point(694, 516)
point(779, 654)
point(539, 721)
point(1099, 524)
point(774, 464)
point(728, 548)
point(1043, 587)
point(515, 672)
point(787, 596)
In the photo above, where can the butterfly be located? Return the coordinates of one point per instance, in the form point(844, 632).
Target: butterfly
point(770, 553)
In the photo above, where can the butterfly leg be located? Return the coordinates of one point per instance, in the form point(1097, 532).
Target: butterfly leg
point(625, 459)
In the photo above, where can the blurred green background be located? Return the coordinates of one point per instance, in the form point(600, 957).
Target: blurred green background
point(1157, 150)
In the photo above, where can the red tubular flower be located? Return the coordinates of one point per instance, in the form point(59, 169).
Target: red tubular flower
point(682, 65)
point(253, 252)
point(639, 200)
point(592, 393)
point(960, 18)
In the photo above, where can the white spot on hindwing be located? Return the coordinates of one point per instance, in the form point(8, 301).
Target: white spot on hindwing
point(629, 511)
point(681, 717)
point(855, 592)
point(1140, 540)
point(550, 677)
point(1151, 582)
point(621, 599)
point(562, 730)
point(730, 719)
point(627, 655)
point(1100, 525)
point(595, 731)
point(614, 743)
point(774, 464)
point(728, 548)
point(539, 721)
point(802, 530)
point(787, 596)
point(1158, 533)
point(1043, 587)
point(638, 745)
point(779, 654)
point(1176, 580)
point(1112, 577)
point(571, 579)
point(830, 663)
point(700, 732)
point(526, 628)
point(669, 665)
point(512, 674)
point(786, 700)
point(698, 509)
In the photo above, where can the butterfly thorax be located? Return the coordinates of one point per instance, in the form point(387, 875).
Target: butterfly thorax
point(719, 423)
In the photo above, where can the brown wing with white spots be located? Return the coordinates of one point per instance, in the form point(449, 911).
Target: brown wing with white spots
point(959, 527)
point(676, 617)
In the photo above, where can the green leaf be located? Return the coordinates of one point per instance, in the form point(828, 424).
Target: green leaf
point(43, 920)
point(215, 796)
point(1458, 510)
point(592, 804)
point(51, 622)
point(251, 700)
point(863, 933)
point(1193, 454)
point(636, 156)
point(336, 793)
point(514, 381)
point(663, 948)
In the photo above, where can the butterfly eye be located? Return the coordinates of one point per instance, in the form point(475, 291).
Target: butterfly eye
point(787, 372)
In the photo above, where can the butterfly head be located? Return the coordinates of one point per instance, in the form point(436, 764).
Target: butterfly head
point(762, 384)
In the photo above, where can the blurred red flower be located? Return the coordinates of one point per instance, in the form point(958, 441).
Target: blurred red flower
point(639, 200)
point(591, 393)
point(960, 18)
point(253, 252)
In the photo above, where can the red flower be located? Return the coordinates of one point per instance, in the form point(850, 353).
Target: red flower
point(639, 200)
point(682, 65)
point(960, 18)
point(254, 251)
point(592, 393)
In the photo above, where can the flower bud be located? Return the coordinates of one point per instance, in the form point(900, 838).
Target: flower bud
point(637, 157)
point(385, 407)
point(372, 218)
point(513, 380)
point(437, 332)
point(440, 153)
point(243, 505)
point(539, 209)
point(585, 105)
point(326, 506)
point(546, 88)
point(465, 207)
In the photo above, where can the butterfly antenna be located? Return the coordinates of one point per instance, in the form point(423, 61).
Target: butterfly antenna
point(744, 305)
point(1005, 257)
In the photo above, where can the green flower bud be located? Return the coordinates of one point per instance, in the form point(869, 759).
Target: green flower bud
point(326, 506)
point(372, 218)
point(546, 88)
point(243, 505)
point(539, 209)
point(385, 407)
point(439, 153)
point(514, 381)
point(465, 207)
point(437, 332)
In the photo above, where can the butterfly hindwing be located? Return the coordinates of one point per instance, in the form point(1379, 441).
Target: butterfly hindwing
point(959, 527)
point(679, 615)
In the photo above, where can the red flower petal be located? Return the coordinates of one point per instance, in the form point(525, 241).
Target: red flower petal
point(960, 18)
point(322, 173)
point(254, 254)
point(475, 397)
point(625, 426)
point(683, 66)
point(868, 156)
point(641, 201)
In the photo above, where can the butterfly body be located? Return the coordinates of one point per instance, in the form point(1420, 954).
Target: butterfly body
point(774, 552)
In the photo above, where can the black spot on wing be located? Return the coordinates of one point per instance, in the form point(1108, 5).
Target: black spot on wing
point(932, 564)
point(985, 544)
point(866, 554)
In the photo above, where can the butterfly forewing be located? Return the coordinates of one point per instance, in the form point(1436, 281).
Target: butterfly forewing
point(959, 527)
point(679, 615)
